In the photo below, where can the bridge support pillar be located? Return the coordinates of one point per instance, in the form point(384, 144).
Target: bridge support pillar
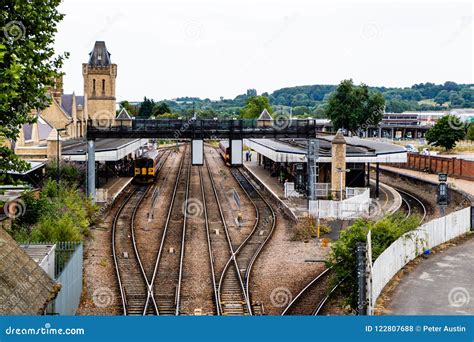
point(236, 152)
point(197, 151)
point(91, 170)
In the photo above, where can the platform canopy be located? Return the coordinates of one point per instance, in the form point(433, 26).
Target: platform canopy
point(358, 150)
point(105, 149)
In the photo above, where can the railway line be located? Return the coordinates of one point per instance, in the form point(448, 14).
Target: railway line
point(130, 272)
point(412, 205)
point(315, 291)
point(229, 287)
point(229, 263)
point(168, 271)
point(251, 247)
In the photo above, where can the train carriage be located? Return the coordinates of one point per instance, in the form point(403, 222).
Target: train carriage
point(224, 151)
point(146, 167)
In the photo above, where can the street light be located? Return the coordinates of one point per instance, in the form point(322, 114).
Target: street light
point(341, 170)
point(57, 151)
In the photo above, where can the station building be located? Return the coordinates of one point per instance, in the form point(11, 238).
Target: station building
point(60, 130)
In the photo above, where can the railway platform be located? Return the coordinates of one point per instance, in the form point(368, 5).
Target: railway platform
point(455, 183)
point(112, 189)
point(298, 206)
point(389, 200)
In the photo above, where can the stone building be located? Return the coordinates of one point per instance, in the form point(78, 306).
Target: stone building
point(66, 117)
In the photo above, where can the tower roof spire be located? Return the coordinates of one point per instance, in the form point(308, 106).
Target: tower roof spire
point(99, 56)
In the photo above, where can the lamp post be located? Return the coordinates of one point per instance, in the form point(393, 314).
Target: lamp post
point(57, 152)
point(341, 170)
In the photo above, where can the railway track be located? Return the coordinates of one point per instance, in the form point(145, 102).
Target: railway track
point(251, 247)
point(315, 290)
point(229, 288)
point(413, 204)
point(130, 273)
point(168, 271)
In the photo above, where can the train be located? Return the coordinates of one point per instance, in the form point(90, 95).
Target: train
point(224, 151)
point(146, 167)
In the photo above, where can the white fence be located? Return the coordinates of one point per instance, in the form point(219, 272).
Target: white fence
point(355, 206)
point(413, 244)
point(351, 192)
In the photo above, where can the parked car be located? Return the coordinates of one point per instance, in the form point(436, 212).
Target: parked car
point(425, 152)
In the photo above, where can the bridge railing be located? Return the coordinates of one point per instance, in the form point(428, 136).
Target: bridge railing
point(204, 127)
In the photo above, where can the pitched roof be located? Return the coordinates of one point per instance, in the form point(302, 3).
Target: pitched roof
point(79, 101)
point(44, 129)
point(265, 116)
point(25, 289)
point(66, 103)
point(67, 100)
point(123, 115)
point(99, 56)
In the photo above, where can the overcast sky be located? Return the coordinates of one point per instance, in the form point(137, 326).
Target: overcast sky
point(167, 49)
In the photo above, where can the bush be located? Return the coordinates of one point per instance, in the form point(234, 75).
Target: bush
point(384, 233)
point(61, 213)
point(70, 173)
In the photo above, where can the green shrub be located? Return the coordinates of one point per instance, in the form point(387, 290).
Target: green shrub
point(343, 257)
point(61, 213)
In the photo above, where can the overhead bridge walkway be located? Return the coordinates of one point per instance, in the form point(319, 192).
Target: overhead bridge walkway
point(203, 129)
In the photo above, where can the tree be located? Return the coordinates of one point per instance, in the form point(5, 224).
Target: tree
point(254, 107)
point(351, 107)
point(160, 108)
point(442, 97)
point(470, 132)
point(446, 132)
point(28, 67)
point(146, 108)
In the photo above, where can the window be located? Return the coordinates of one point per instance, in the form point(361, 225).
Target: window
point(103, 86)
point(93, 85)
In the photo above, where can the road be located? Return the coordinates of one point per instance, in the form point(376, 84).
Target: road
point(443, 284)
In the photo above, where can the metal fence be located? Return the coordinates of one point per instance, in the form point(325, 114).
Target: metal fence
point(68, 273)
point(69, 267)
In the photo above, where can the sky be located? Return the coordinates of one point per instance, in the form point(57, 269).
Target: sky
point(209, 49)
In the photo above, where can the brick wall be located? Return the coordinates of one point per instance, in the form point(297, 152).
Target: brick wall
point(454, 167)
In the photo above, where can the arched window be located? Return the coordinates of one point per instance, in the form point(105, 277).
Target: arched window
point(103, 86)
point(93, 85)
